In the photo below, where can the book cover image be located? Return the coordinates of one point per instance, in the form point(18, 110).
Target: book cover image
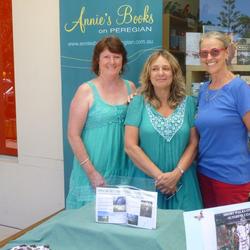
point(243, 51)
point(233, 230)
point(208, 28)
point(192, 48)
point(246, 78)
point(243, 57)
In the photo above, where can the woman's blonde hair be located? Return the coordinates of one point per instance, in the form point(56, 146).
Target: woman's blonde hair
point(177, 89)
point(222, 37)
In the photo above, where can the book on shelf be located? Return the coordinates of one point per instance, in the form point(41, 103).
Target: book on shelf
point(127, 206)
point(243, 51)
point(196, 88)
point(246, 78)
point(208, 28)
point(192, 48)
point(232, 58)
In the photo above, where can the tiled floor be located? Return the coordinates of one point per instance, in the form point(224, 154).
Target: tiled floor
point(6, 232)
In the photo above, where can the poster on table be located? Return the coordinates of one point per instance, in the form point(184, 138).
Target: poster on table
point(225, 227)
point(138, 23)
point(232, 229)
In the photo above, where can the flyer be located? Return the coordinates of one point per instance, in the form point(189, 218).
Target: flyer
point(126, 205)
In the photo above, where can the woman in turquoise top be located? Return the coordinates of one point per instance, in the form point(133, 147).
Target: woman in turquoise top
point(159, 134)
point(96, 123)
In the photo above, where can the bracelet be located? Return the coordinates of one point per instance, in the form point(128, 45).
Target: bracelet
point(83, 162)
point(181, 170)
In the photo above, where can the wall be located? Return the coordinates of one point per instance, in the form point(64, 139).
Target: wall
point(32, 185)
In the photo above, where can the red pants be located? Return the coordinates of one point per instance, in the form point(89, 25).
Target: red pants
point(216, 193)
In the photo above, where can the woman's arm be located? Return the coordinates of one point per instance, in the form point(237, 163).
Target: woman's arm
point(79, 108)
point(137, 155)
point(169, 180)
point(246, 120)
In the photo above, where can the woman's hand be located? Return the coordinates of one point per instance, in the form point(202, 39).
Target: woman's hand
point(96, 179)
point(131, 96)
point(167, 182)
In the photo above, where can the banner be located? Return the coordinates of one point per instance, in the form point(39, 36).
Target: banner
point(138, 23)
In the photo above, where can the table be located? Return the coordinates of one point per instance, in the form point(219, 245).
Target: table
point(76, 230)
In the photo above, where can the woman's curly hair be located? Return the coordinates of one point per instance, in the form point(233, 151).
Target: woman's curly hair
point(177, 90)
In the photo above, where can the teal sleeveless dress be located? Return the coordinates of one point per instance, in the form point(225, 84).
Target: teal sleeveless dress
point(164, 139)
point(103, 137)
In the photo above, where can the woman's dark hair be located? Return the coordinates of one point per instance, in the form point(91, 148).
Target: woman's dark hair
point(114, 45)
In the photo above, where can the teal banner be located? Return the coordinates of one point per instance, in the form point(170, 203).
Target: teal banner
point(138, 23)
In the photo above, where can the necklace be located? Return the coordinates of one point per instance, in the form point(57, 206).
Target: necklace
point(209, 97)
point(226, 79)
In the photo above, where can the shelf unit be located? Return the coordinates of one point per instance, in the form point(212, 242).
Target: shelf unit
point(195, 73)
point(174, 27)
point(174, 39)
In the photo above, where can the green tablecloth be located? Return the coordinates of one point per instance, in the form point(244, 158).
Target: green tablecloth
point(77, 230)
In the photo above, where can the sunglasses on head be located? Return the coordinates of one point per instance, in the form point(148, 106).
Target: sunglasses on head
point(213, 52)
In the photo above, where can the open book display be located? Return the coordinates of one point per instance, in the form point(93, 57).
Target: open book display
point(126, 205)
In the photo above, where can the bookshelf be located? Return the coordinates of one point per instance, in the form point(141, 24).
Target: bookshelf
point(174, 31)
point(196, 73)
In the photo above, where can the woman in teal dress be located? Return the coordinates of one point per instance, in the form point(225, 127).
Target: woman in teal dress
point(96, 124)
point(160, 137)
